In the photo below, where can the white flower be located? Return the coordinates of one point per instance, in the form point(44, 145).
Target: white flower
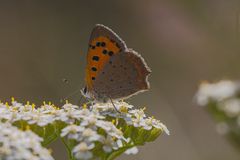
point(73, 131)
point(82, 151)
point(138, 113)
point(90, 135)
point(70, 115)
point(138, 122)
point(217, 91)
point(138, 118)
point(151, 122)
point(114, 131)
point(109, 106)
point(102, 124)
point(109, 144)
point(11, 116)
point(231, 107)
point(40, 119)
point(19, 145)
point(80, 133)
point(133, 150)
point(69, 106)
point(91, 120)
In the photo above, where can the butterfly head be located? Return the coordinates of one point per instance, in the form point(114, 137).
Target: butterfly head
point(89, 94)
point(92, 96)
point(85, 92)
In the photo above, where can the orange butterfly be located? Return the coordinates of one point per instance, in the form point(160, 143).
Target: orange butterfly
point(113, 71)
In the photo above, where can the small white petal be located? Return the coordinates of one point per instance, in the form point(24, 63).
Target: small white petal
point(133, 150)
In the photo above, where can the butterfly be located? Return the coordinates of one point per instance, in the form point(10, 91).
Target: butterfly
point(113, 71)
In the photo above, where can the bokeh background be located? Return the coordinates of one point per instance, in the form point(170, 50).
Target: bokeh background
point(183, 41)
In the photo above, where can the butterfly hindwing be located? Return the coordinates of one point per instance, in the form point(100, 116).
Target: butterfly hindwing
point(125, 74)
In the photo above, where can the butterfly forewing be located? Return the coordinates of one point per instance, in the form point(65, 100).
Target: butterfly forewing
point(103, 31)
point(103, 44)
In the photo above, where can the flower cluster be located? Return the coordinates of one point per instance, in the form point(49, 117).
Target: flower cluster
point(219, 91)
point(86, 133)
point(18, 145)
point(89, 132)
point(223, 102)
point(224, 93)
point(135, 117)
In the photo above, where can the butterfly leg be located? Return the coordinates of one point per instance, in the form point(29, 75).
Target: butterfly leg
point(114, 105)
point(80, 101)
point(92, 104)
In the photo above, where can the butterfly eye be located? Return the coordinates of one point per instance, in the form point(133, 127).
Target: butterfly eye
point(85, 90)
point(98, 44)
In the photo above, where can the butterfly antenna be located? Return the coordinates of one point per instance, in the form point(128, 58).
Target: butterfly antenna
point(70, 95)
point(66, 81)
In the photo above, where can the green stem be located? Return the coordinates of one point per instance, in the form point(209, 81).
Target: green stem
point(50, 139)
point(71, 157)
point(115, 154)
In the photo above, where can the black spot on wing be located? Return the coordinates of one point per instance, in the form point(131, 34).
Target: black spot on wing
point(103, 44)
point(104, 51)
point(110, 53)
point(94, 69)
point(95, 58)
point(98, 44)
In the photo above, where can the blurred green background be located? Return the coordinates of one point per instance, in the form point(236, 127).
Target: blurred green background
point(184, 42)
